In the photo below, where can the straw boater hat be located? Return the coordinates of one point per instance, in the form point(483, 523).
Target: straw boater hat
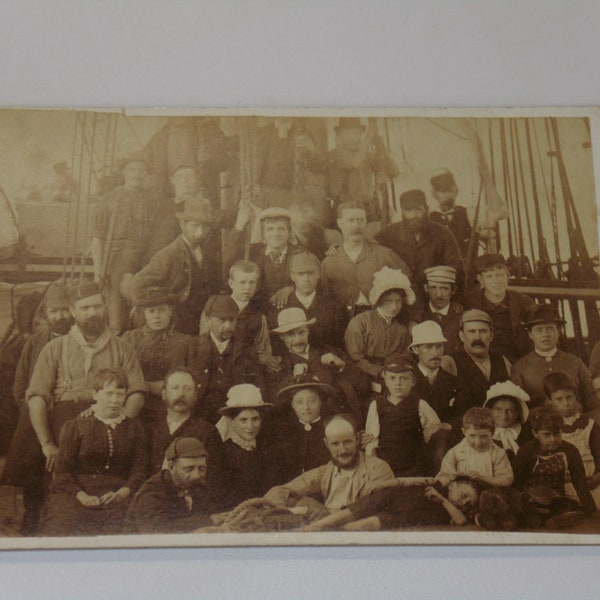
point(243, 396)
point(507, 389)
point(387, 279)
point(154, 296)
point(292, 318)
point(291, 385)
point(542, 313)
point(427, 332)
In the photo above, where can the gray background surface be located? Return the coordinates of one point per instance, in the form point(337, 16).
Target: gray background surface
point(304, 53)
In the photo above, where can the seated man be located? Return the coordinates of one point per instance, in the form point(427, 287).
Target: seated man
point(506, 308)
point(305, 271)
point(373, 335)
point(440, 287)
point(542, 325)
point(175, 418)
point(272, 255)
point(348, 476)
point(220, 360)
point(251, 325)
point(298, 357)
point(176, 499)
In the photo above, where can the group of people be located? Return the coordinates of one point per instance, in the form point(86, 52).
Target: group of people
point(366, 383)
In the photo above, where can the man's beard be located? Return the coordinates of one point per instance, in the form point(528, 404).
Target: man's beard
point(416, 225)
point(60, 327)
point(92, 326)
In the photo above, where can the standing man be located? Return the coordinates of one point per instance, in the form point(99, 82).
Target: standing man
point(420, 242)
point(123, 226)
point(506, 308)
point(347, 277)
point(445, 191)
point(184, 268)
point(58, 322)
point(478, 366)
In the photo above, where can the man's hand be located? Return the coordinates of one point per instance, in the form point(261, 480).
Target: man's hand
point(272, 363)
point(115, 497)
point(51, 453)
point(365, 439)
point(332, 250)
point(87, 500)
point(433, 495)
point(331, 360)
point(474, 475)
point(280, 298)
point(244, 216)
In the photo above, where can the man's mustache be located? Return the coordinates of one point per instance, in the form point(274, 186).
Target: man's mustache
point(478, 343)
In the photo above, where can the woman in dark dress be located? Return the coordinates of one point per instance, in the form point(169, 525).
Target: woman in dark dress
point(158, 346)
point(508, 403)
point(102, 461)
point(244, 465)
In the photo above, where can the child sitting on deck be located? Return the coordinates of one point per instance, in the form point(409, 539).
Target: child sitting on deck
point(476, 456)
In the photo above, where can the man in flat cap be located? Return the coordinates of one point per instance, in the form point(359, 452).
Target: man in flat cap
point(57, 322)
point(61, 384)
point(420, 242)
point(184, 268)
point(506, 308)
point(440, 287)
point(444, 190)
point(331, 321)
point(347, 274)
point(177, 498)
point(123, 225)
point(358, 165)
point(220, 360)
point(272, 255)
point(478, 366)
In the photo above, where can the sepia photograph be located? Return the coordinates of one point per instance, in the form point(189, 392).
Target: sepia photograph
point(224, 328)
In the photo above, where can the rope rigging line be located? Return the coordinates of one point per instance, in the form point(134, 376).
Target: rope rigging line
point(517, 203)
point(510, 225)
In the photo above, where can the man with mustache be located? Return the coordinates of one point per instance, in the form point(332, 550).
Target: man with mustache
point(221, 360)
point(422, 243)
point(57, 322)
point(348, 476)
point(61, 384)
point(478, 367)
point(176, 419)
point(347, 273)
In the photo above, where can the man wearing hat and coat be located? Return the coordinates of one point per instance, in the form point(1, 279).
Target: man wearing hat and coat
point(272, 255)
point(184, 268)
point(420, 242)
point(176, 499)
point(357, 165)
point(453, 217)
point(123, 226)
point(60, 387)
point(220, 360)
point(543, 327)
point(506, 308)
point(440, 287)
point(57, 322)
point(478, 366)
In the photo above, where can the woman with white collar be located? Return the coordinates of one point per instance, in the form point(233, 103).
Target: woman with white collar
point(244, 471)
point(102, 461)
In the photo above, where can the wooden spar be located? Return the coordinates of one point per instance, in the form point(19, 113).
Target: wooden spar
point(543, 251)
point(81, 126)
point(88, 189)
point(507, 189)
point(389, 147)
point(517, 203)
point(471, 252)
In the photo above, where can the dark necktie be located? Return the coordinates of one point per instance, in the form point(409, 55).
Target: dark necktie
point(276, 256)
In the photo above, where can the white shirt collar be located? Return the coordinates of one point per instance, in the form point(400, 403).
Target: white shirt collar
point(443, 311)
point(546, 353)
point(221, 346)
point(241, 305)
point(426, 371)
point(269, 250)
point(306, 301)
point(388, 321)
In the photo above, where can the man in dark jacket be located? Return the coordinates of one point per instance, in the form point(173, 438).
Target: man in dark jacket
point(177, 499)
point(506, 308)
point(220, 360)
point(183, 267)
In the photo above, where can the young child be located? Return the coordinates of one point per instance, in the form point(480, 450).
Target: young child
point(476, 456)
point(399, 424)
point(542, 468)
point(582, 432)
point(396, 505)
point(508, 403)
